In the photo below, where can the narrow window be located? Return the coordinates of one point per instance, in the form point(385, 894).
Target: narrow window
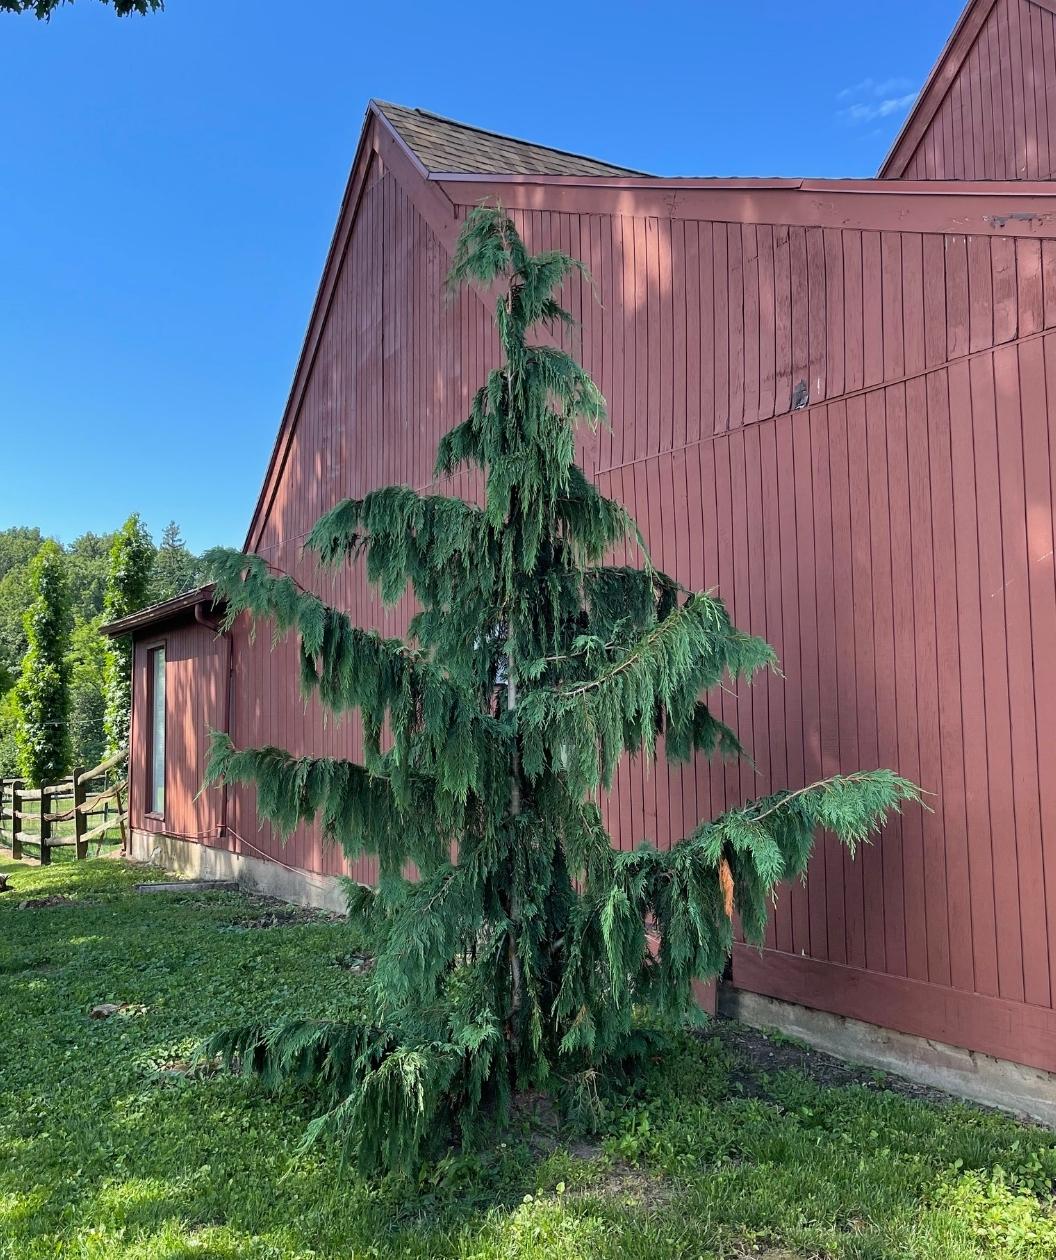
point(156, 793)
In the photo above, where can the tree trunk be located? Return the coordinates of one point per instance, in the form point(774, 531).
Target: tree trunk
point(516, 982)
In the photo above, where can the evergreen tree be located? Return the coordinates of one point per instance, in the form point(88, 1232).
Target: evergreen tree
point(43, 689)
point(88, 563)
point(176, 567)
point(127, 590)
point(521, 950)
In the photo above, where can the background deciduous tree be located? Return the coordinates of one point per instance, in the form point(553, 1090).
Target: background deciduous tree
point(87, 567)
point(18, 546)
point(88, 657)
point(87, 563)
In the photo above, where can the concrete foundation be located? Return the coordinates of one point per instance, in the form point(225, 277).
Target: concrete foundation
point(1024, 1091)
point(191, 860)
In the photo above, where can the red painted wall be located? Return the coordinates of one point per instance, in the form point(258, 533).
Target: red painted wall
point(196, 663)
point(893, 538)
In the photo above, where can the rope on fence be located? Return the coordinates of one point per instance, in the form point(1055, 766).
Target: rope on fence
point(13, 796)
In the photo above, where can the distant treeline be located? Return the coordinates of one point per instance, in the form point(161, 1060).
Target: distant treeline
point(173, 568)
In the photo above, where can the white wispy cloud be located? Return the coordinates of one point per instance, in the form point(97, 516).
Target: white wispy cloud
point(874, 88)
point(862, 112)
point(875, 98)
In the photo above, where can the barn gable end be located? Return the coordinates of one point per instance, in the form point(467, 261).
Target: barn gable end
point(831, 401)
point(815, 392)
point(988, 108)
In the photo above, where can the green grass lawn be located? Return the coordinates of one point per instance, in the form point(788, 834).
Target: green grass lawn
point(732, 1147)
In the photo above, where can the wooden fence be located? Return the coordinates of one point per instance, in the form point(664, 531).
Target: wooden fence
point(98, 804)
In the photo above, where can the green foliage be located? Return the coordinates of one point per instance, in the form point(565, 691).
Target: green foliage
point(131, 564)
point(45, 8)
point(514, 946)
point(88, 658)
point(18, 546)
point(87, 563)
point(43, 690)
point(176, 567)
point(9, 763)
point(87, 568)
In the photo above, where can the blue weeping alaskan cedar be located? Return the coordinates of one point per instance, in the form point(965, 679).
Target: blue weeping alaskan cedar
point(520, 957)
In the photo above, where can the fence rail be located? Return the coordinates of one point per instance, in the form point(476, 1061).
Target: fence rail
point(98, 793)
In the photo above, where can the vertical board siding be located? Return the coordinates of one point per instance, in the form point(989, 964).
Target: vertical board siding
point(845, 432)
point(997, 119)
point(195, 689)
point(396, 367)
point(852, 535)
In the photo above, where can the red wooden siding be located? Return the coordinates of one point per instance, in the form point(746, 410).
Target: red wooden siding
point(989, 110)
point(831, 403)
point(388, 380)
point(195, 693)
point(893, 539)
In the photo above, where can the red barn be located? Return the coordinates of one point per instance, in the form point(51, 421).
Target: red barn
point(831, 400)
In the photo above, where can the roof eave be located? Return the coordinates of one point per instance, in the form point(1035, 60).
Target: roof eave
point(350, 194)
point(166, 610)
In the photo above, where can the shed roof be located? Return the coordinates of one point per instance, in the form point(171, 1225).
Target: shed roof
point(167, 610)
point(443, 145)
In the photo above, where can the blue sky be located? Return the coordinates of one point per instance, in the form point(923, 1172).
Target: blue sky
point(168, 188)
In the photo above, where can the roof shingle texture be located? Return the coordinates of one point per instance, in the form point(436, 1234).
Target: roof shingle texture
point(441, 144)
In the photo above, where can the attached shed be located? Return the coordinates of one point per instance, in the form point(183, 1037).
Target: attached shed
point(832, 401)
point(180, 692)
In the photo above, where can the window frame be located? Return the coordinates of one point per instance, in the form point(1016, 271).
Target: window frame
point(152, 648)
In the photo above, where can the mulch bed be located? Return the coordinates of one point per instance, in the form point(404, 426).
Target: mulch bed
point(270, 912)
point(758, 1055)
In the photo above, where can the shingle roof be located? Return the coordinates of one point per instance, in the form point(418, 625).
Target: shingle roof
point(441, 144)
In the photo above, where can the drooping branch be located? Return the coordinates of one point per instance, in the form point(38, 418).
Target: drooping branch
point(435, 544)
point(436, 725)
point(359, 809)
point(585, 726)
point(43, 9)
point(686, 893)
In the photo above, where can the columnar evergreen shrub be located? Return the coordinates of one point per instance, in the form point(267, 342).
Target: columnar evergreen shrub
point(43, 688)
point(127, 590)
point(515, 948)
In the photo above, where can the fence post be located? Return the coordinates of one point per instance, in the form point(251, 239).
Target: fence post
point(3, 793)
point(121, 818)
point(45, 826)
point(16, 822)
point(80, 821)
